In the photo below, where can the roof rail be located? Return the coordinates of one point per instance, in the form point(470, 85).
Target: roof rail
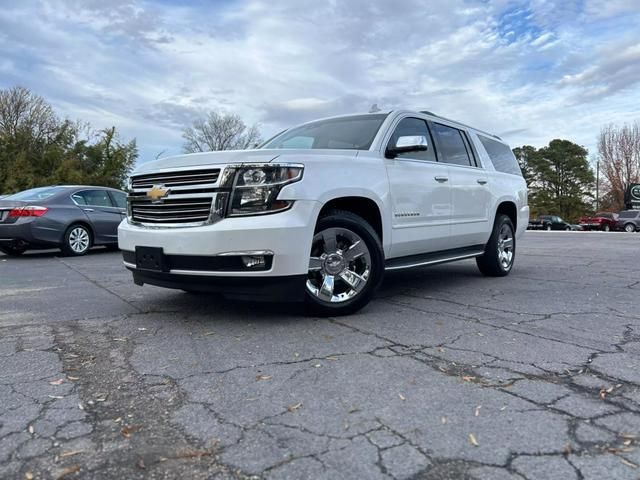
point(427, 112)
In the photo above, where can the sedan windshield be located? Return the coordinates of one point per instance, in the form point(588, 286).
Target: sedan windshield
point(349, 133)
point(41, 193)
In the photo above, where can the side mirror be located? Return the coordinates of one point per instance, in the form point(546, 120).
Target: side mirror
point(410, 143)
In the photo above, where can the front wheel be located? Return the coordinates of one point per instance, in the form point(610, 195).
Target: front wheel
point(568, 229)
point(606, 228)
point(548, 228)
point(77, 240)
point(629, 228)
point(346, 265)
point(500, 251)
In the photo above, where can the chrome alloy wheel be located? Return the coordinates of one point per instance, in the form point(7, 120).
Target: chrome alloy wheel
point(79, 240)
point(505, 247)
point(339, 266)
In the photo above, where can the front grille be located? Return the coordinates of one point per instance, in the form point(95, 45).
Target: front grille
point(188, 178)
point(191, 193)
point(187, 210)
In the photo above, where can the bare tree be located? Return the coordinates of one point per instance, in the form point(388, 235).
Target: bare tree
point(22, 111)
point(220, 132)
point(619, 152)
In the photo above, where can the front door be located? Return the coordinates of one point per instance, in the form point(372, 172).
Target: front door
point(420, 195)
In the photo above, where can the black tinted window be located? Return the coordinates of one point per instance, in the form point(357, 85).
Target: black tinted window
point(411, 127)
point(120, 199)
point(452, 145)
point(501, 156)
point(350, 133)
point(97, 198)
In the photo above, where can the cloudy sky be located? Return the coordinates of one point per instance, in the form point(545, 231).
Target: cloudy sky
point(529, 71)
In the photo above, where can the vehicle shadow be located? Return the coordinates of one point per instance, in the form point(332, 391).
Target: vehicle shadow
point(52, 253)
point(428, 281)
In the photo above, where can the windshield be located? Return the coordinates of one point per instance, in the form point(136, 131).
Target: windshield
point(350, 133)
point(41, 193)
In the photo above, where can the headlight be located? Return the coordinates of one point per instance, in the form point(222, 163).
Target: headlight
point(255, 188)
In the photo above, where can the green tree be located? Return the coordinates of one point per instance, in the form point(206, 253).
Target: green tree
point(560, 178)
point(37, 148)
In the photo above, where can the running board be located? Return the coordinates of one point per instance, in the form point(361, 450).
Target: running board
point(433, 258)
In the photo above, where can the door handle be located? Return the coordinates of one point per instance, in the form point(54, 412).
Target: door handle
point(482, 181)
point(441, 179)
point(88, 209)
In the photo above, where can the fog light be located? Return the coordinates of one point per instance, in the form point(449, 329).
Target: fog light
point(252, 261)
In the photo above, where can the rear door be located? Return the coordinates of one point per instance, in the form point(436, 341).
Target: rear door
point(470, 193)
point(420, 196)
point(103, 215)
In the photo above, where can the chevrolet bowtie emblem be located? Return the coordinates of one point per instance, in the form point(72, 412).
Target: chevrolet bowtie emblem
point(157, 193)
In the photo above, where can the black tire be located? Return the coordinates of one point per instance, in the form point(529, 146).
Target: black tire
point(567, 229)
point(13, 250)
point(629, 228)
point(606, 228)
point(349, 222)
point(490, 263)
point(548, 228)
point(68, 249)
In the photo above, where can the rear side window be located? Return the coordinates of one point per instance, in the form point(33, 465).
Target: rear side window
point(452, 145)
point(96, 198)
point(501, 156)
point(630, 214)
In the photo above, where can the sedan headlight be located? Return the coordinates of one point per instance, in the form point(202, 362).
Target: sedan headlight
point(255, 188)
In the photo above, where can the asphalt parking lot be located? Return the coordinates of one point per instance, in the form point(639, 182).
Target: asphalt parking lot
point(447, 374)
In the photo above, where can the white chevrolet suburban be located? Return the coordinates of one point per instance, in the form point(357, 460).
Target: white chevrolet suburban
point(320, 211)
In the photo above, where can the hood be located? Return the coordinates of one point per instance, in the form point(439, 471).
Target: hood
point(239, 156)
point(209, 158)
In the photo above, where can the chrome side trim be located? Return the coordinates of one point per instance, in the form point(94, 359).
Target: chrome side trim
point(244, 252)
point(435, 261)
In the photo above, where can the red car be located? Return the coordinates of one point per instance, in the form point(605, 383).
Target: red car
point(604, 221)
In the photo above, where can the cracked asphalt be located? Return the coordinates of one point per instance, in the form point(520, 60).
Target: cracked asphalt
point(446, 375)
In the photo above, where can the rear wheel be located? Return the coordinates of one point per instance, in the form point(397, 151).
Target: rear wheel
point(606, 228)
point(77, 240)
point(548, 228)
point(567, 228)
point(13, 250)
point(346, 265)
point(629, 227)
point(500, 251)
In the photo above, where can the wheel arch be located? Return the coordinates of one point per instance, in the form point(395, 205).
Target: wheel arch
point(83, 223)
point(364, 207)
point(508, 208)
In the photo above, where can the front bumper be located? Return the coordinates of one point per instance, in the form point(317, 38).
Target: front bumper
point(287, 235)
point(282, 289)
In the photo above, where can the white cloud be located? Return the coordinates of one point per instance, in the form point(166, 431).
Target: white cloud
point(537, 71)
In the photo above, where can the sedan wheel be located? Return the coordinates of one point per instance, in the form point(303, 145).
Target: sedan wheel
point(606, 228)
point(77, 240)
point(629, 227)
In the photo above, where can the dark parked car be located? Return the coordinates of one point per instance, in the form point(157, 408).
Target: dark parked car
point(72, 218)
point(550, 222)
point(629, 221)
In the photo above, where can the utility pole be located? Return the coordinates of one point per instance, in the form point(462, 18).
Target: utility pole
point(597, 185)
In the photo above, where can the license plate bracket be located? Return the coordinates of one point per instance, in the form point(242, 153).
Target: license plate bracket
point(151, 258)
